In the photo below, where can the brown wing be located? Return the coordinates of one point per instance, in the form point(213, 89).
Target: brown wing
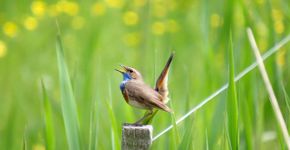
point(142, 93)
point(161, 83)
point(125, 95)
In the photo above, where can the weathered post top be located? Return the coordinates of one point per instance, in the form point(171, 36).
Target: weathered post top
point(136, 137)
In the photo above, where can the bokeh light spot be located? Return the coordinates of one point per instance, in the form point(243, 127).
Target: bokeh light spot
point(68, 7)
point(277, 15)
point(3, 49)
point(10, 29)
point(158, 28)
point(98, 9)
point(38, 8)
point(38, 147)
point(132, 39)
point(30, 23)
point(280, 58)
point(262, 44)
point(130, 18)
point(279, 27)
point(115, 3)
point(215, 20)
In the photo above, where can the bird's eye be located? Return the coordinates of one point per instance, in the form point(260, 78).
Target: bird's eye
point(131, 71)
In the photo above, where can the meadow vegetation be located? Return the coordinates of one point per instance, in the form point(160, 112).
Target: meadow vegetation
point(59, 89)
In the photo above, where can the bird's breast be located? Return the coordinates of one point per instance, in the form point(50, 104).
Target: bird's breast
point(136, 104)
point(124, 93)
point(122, 85)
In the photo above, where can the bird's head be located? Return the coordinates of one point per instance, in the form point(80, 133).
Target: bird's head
point(130, 73)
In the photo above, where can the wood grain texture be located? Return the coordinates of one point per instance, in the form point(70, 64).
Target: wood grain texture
point(136, 137)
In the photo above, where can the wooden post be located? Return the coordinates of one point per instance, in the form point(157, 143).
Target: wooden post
point(136, 137)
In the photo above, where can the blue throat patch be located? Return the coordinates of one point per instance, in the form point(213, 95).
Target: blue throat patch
point(126, 77)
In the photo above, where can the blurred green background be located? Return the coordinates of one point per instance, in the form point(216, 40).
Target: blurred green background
point(99, 35)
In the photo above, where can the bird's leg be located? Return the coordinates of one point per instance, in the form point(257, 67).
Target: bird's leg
point(144, 117)
point(149, 119)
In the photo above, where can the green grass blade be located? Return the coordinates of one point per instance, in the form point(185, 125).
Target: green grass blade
point(187, 139)
point(232, 104)
point(49, 129)
point(175, 133)
point(287, 99)
point(68, 105)
point(114, 128)
point(93, 126)
point(24, 142)
point(206, 140)
point(216, 127)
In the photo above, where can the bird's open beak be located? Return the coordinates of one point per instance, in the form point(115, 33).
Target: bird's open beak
point(124, 67)
point(122, 71)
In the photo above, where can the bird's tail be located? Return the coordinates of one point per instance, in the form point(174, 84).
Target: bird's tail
point(167, 109)
point(161, 83)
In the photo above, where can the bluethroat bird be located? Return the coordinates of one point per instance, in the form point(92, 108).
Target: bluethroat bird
point(138, 94)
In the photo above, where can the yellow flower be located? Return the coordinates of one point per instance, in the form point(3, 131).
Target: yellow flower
point(215, 20)
point(38, 8)
point(277, 15)
point(10, 29)
point(78, 22)
point(132, 39)
point(279, 27)
point(130, 18)
point(262, 44)
point(158, 28)
point(98, 9)
point(38, 147)
point(3, 49)
point(30, 23)
point(172, 26)
point(280, 58)
point(262, 30)
point(115, 3)
point(70, 8)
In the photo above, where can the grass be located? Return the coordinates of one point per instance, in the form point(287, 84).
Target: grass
point(79, 104)
point(175, 133)
point(188, 136)
point(232, 103)
point(49, 127)
point(68, 104)
point(273, 98)
point(114, 128)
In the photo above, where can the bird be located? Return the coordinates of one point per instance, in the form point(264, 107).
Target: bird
point(140, 95)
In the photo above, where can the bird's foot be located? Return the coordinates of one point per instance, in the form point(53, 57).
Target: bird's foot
point(137, 124)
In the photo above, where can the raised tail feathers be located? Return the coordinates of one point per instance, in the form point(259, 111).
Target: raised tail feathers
point(161, 83)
